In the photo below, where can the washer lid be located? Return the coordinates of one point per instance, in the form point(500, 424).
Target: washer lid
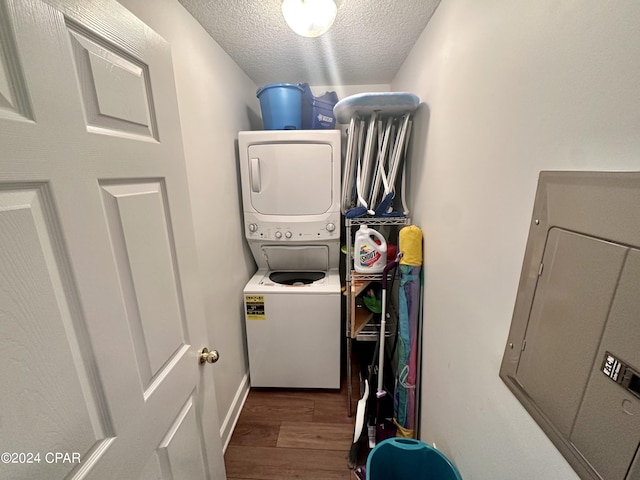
point(304, 257)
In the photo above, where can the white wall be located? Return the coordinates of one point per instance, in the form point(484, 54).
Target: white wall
point(346, 90)
point(510, 88)
point(216, 100)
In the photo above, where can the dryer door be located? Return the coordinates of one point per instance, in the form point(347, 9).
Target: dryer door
point(290, 178)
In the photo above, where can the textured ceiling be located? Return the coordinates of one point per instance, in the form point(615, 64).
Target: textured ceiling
point(366, 45)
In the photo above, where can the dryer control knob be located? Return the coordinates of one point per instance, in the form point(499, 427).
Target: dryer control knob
point(278, 234)
point(330, 227)
point(288, 234)
point(253, 227)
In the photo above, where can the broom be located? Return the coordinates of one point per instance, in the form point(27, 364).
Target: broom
point(360, 414)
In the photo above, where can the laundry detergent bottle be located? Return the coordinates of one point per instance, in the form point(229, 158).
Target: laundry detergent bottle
point(369, 256)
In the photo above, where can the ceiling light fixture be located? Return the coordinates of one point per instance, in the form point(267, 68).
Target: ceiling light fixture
point(309, 18)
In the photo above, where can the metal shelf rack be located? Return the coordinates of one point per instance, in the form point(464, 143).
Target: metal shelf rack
point(359, 324)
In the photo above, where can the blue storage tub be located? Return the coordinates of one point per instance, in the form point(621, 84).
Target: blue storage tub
point(408, 459)
point(317, 112)
point(281, 106)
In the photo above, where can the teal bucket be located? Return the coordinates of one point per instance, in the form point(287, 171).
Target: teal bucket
point(408, 459)
point(281, 106)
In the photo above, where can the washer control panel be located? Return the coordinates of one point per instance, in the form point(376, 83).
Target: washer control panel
point(292, 231)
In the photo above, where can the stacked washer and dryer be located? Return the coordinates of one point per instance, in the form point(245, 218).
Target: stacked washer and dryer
point(291, 201)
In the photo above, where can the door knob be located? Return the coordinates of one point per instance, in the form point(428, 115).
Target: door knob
point(207, 356)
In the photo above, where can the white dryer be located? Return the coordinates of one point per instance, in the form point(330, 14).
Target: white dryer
point(291, 204)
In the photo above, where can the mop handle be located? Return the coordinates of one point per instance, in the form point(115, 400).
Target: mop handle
point(389, 266)
point(383, 328)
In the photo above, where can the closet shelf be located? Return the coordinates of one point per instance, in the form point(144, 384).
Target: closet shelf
point(371, 221)
point(365, 279)
point(359, 283)
point(362, 317)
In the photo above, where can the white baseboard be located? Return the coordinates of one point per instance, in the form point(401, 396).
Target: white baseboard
point(229, 424)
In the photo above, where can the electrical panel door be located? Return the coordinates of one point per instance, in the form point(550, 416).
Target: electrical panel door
point(573, 353)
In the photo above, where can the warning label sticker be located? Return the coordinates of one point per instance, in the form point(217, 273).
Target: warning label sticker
point(255, 307)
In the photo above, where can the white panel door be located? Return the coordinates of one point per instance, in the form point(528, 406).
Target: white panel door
point(101, 317)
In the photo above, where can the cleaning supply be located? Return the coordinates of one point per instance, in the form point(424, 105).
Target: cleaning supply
point(371, 300)
point(360, 416)
point(408, 459)
point(281, 106)
point(384, 427)
point(370, 255)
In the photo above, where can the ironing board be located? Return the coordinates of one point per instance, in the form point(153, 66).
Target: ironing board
point(367, 167)
point(384, 103)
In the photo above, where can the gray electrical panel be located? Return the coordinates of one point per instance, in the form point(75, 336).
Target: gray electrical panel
point(573, 353)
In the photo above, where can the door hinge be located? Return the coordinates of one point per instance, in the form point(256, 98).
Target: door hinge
point(540, 268)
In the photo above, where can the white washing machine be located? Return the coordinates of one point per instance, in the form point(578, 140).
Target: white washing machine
point(291, 205)
point(293, 329)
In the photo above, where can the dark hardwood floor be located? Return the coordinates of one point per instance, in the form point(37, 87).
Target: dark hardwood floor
point(292, 434)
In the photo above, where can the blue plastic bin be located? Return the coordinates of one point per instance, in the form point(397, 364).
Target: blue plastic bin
point(408, 459)
point(281, 106)
point(317, 112)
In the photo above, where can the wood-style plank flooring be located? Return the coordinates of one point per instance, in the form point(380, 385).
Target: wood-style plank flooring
point(292, 434)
